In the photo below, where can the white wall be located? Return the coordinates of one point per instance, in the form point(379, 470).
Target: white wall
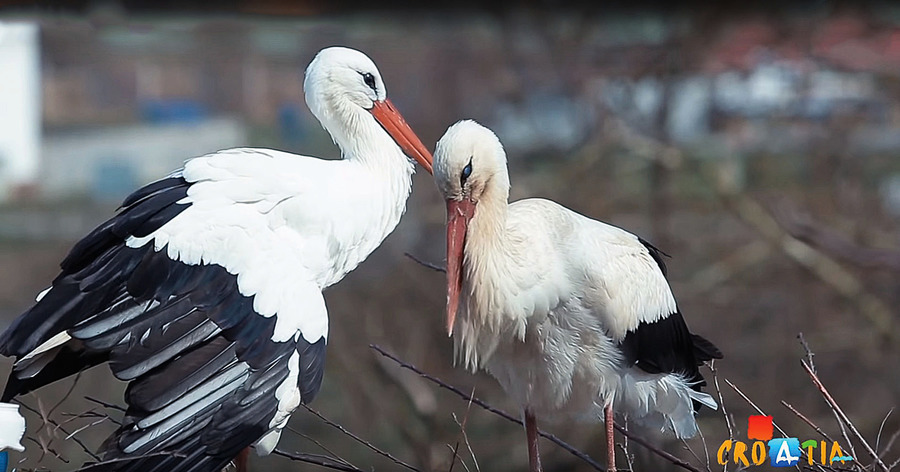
point(20, 105)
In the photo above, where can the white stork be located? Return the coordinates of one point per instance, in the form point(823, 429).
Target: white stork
point(569, 314)
point(204, 292)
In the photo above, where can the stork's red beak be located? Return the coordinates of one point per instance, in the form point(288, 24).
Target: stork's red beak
point(459, 213)
point(392, 122)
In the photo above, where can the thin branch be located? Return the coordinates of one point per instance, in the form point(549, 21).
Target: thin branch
point(665, 455)
point(95, 423)
point(104, 404)
point(759, 410)
point(705, 449)
point(462, 429)
point(359, 439)
point(68, 393)
point(843, 417)
point(844, 434)
point(881, 428)
point(688, 447)
point(455, 451)
point(46, 448)
point(712, 367)
point(807, 421)
point(77, 440)
point(90, 414)
point(559, 442)
point(581, 455)
point(127, 459)
point(728, 422)
point(429, 265)
point(753, 405)
point(889, 445)
point(317, 443)
point(809, 354)
point(319, 460)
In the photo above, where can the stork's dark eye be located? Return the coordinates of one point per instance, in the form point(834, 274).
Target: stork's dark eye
point(466, 172)
point(369, 79)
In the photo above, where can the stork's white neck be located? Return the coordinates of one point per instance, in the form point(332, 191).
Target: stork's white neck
point(384, 182)
point(356, 132)
point(489, 253)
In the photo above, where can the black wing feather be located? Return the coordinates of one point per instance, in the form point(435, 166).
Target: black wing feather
point(171, 329)
point(667, 345)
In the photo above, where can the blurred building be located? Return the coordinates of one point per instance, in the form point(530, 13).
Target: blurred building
point(20, 107)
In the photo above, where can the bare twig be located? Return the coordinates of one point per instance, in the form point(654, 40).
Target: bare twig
point(728, 422)
point(629, 458)
point(665, 455)
point(455, 451)
point(842, 416)
point(359, 439)
point(759, 410)
point(705, 448)
point(845, 435)
point(712, 367)
point(45, 448)
point(753, 405)
point(559, 442)
point(77, 440)
point(429, 265)
point(807, 421)
point(104, 404)
point(319, 460)
point(103, 464)
point(91, 414)
point(688, 447)
point(881, 428)
point(95, 423)
point(889, 445)
point(68, 393)
point(322, 446)
point(809, 354)
point(462, 429)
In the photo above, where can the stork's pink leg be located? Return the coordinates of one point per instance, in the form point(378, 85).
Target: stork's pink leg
point(240, 462)
point(531, 430)
point(610, 440)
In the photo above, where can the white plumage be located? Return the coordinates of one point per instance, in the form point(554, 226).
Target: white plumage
point(569, 314)
point(205, 291)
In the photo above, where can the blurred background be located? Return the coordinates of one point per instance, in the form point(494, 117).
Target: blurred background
point(758, 146)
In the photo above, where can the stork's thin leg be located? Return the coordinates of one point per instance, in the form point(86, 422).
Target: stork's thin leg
point(610, 440)
point(240, 462)
point(531, 430)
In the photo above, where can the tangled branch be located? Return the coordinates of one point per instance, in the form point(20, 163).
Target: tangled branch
point(554, 439)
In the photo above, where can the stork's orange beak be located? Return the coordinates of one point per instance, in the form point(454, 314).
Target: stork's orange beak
point(459, 213)
point(392, 122)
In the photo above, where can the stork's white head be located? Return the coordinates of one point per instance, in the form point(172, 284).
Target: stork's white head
point(469, 168)
point(342, 86)
point(469, 161)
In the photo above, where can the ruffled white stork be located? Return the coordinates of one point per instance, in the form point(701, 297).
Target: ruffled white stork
point(204, 292)
point(569, 314)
